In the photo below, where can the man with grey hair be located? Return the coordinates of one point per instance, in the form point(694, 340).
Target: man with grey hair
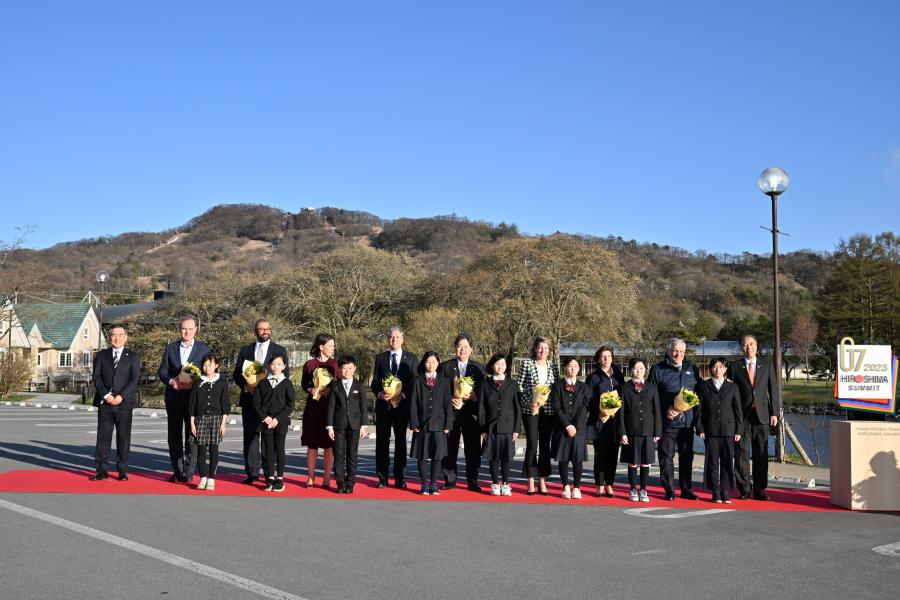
point(186, 349)
point(761, 403)
point(671, 375)
point(392, 414)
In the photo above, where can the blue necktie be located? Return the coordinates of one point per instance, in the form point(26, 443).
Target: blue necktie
point(393, 364)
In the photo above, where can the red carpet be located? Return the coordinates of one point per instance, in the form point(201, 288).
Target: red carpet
point(145, 482)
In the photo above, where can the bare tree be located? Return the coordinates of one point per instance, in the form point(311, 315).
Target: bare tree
point(802, 338)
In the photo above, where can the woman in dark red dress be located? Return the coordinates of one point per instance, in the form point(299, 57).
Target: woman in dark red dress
point(314, 435)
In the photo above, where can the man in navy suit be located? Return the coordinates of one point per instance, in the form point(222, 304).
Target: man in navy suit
point(465, 423)
point(761, 403)
point(182, 453)
point(262, 351)
point(402, 365)
point(117, 371)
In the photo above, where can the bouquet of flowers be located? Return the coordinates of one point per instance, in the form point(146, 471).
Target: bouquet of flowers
point(463, 386)
point(610, 403)
point(685, 400)
point(392, 387)
point(253, 372)
point(541, 394)
point(321, 379)
point(188, 375)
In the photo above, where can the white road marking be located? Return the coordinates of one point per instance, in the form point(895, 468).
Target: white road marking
point(644, 512)
point(892, 550)
point(211, 572)
point(654, 551)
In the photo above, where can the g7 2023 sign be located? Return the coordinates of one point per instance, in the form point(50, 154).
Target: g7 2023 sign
point(866, 377)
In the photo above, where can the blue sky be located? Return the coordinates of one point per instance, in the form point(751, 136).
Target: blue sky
point(645, 120)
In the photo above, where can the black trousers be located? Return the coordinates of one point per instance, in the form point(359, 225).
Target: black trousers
point(182, 453)
point(109, 417)
point(387, 420)
point(755, 438)
point(435, 471)
point(499, 471)
point(606, 456)
point(273, 443)
point(467, 428)
point(346, 453)
point(718, 472)
point(253, 448)
point(577, 467)
point(213, 460)
point(538, 436)
point(682, 442)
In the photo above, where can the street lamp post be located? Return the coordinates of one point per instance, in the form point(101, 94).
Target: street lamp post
point(773, 182)
point(102, 278)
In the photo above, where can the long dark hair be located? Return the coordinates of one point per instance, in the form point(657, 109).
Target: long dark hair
point(321, 340)
point(425, 357)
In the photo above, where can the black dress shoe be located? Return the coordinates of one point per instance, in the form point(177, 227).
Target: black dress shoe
point(745, 494)
point(760, 495)
point(122, 477)
point(348, 489)
point(246, 480)
point(381, 483)
point(669, 496)
point(400, 484)
point(531, 493)
point(174, 477)
point(473, 487)
point(688, 495)
point(543, 492)
point(448, 486)
point(98, 477)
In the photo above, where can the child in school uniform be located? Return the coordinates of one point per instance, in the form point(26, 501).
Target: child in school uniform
point(273, 401)
point(639, 427)
point(209, 408)
point(719, 425)
point(431, 418)
point(345, 422)
point(499, 416)
point(569, 398)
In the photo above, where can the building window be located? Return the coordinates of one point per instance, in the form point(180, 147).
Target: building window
point(65, 359)
point(39, 359)
point(85, 334)
point(86, 358)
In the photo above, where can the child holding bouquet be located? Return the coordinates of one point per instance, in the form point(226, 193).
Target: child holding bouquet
point(314, 435)
point(499, 416)
point(209, 408)
point(273, 401)
point(639, 426)
point(431, 418)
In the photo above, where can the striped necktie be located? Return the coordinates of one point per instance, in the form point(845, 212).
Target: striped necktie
point(116, 354)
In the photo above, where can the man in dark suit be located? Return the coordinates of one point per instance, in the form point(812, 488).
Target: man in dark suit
point(345, 421)
point(466, 416)
point(761, 403)
point(182, 453)
point(117, 371)
point(261, 351)
point(392, 414)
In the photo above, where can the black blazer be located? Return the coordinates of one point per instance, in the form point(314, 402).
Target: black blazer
point(431, 410)
point(569, 408)
point(406, 372)
point(600, 383)
point(500, 407)
point(764, 391)
point(640, 413)
point(720, 410)
point(275, 402)
point(346, 411)
point(123, 381)
point(171, 366)
point(475, 370)
point(209, 399)
point(248, 352)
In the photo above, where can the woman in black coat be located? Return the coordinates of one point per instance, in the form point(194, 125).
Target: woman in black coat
point(719, 425)
point(602, 430)
point(569, 398)
point(499, 416)
point(431, 419)
point(639, 426)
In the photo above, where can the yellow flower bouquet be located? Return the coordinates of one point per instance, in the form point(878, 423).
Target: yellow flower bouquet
point(541, 395)
point(321, 379)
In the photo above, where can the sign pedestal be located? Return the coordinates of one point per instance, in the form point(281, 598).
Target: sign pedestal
point(865, 465)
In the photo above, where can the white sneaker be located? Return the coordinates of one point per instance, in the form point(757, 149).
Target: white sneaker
point(576, 493)
point(210, 484)
point(495, 489)
point(644, 497)
point(567, 493)
point(633, 495)
point(202, 485)
point(505, 490)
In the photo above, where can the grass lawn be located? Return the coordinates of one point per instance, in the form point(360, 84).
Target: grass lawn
point(15, 398)
point(813, 393)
